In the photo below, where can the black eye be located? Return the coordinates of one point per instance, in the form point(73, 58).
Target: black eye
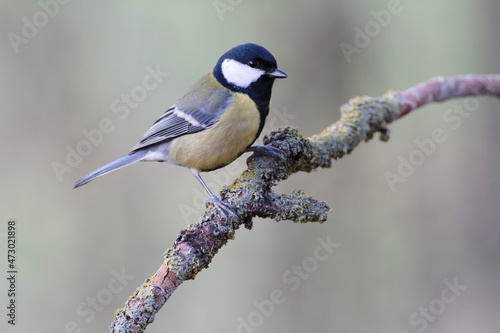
point(252, 63)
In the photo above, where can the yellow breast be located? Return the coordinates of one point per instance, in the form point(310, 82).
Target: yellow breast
point(222, 143)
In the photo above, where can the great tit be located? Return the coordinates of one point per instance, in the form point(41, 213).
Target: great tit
point(214, 122)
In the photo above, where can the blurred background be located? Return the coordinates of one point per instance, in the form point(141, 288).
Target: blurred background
point(81, 82)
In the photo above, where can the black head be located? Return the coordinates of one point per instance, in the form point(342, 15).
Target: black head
point(250, 69)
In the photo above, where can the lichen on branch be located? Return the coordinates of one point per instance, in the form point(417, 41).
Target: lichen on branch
point(252, 194)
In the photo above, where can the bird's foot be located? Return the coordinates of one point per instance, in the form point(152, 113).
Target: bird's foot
point(268, 151)
point(222, 207)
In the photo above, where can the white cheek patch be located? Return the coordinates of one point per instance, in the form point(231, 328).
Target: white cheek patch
point(239, 74)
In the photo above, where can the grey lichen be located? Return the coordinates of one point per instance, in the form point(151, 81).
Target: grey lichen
point(300, 207)
point(360, 119)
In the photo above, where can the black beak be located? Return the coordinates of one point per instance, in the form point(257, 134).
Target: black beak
point(277, 74)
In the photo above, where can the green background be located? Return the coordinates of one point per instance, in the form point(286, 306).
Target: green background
point(396, 247)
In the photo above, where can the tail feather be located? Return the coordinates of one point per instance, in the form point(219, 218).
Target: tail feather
point(120, 162)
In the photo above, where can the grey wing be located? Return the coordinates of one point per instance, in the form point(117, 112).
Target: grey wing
point(177, 121)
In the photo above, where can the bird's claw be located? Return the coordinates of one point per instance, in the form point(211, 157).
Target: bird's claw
point(268, 151)
point(222, 207)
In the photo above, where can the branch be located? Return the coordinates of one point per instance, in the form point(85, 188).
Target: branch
point(252, 192)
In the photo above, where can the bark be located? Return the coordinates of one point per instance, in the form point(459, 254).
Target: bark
point(252, 194)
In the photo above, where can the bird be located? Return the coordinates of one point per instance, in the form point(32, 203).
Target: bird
point(214, 122)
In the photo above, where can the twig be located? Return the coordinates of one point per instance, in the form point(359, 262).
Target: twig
point(252, 192)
